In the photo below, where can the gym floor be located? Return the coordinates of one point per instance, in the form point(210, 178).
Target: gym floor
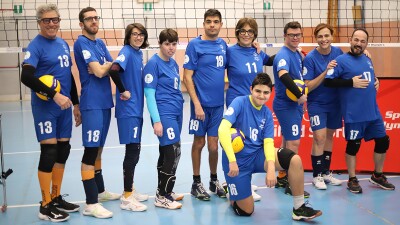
point(21, 153)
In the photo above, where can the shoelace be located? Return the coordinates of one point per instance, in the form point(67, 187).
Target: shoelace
point(201, 188)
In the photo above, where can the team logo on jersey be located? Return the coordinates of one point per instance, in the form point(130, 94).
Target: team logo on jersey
point(330, 71)
point(65, 49)
point(282, 62)
point(256, 57)
point(27, 55)
point(262, 124)
point(305, 71)
point(86, 54)
point(222, 49)
point(229, 111)
point(121, 58)
point(370, 65)
point(186, 59)
point(148, 78)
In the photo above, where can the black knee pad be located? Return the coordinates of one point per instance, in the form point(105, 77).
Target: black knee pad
point(172, 155)
point(382, 144)
point(63, 150)
point(239, 211)
point(90, 155)
point(353, 146)
point(284, 157)
point(48, 156)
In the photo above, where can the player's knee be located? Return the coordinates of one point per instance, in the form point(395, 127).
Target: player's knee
point(63, 148)
point(90, 155)
point(132, 154)
point(382, 144)
point(48, 156)
point(285, 157)
point(353, 146)
point(172, 154)
point(239, 211)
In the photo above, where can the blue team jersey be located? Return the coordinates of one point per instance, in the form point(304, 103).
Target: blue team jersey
point(95, 92)
point(56, 62)
point(255, 124)
point(164, 78)
point(290, 61)
point(321, 99)
point(243, 64)
point(357, 104)
point(207, 59)
point(131, 62)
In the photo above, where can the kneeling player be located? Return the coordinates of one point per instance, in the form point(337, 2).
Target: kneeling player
point(254, 119)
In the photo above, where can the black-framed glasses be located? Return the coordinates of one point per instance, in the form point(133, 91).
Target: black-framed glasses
point(91, 18)
point(135, 35)
point(249, 32)
point(55, 20)
point(299, 35)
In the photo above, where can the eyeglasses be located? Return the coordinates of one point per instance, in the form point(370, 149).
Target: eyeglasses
point(249, 32)
point(55, 20)
point(134, 34)
point(299, 35)
point(91, 18)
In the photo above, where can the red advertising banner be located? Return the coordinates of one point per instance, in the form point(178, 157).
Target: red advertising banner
point(389, 106)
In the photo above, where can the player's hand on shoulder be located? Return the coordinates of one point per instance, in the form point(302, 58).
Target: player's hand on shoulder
point(358, 82)
point(367, 53)
point(257, 46)
point(302, 99)
point(376, 83)
point(233, 169)
point(332, 64)
point(63, 101)
point(158, 129)
point(77, 115)
point(126, 95)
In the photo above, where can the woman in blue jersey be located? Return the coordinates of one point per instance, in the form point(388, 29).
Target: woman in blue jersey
point(127, 71)
point(250, 115)
point(165, 104)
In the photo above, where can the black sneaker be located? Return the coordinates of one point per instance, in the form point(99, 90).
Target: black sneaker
point(50, 212)
point(354, 186)
point(288, 191)
point(199, 192)
point(63, 205)
point(216, 188)
point(281, 182)
point(305, 213)
point(382, 182)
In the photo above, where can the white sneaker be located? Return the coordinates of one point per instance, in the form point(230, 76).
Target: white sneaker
point(140, 197)
point(177, 197)
point(131, 203)
point(108, 196)
point(165, 202)
point(97, 210)
point(254, 187)
point(329, 179)
point(319, 183)
point(256, 196)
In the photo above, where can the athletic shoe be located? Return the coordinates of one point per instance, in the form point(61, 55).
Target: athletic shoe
point(176, 196)
point(166, 202)
point(329, 179)
point(97, 210)
point(319, 182)
point(254, 187)
point(140, 197)
point(216, 188)
point(282, 182)
point(381, 182)
point(131, 203)
point(305, 213)
point(50, 212)
point(199, 192)
point(256, 197)
point(63, 205)
point(354, 186)
point(108, 196)
point(288, 191)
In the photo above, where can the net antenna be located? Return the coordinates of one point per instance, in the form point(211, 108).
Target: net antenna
point(4, 174)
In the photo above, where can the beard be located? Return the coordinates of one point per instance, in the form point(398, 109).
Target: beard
point(91, 30)
point(356, 50)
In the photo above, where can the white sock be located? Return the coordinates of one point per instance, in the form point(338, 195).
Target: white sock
point(298, 201)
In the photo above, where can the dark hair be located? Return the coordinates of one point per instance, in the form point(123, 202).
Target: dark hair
point(83, 11)
point(212, 12)
point(262, 79)
point(291, 25)
point(362, 29)
point(128, 33)
point(242, 22)
point(169, 35)
point(321, 26)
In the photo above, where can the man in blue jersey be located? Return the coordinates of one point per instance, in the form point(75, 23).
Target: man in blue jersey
point(53, 118)
point(360, 110)
point(204, 73)
point(250, 115)
point(93, 61)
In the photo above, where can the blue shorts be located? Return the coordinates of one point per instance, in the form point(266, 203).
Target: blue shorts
point(130, 130)
point(367, 130)
point(331, 120)
point(239, 187)
point(213, 117)
point(172, 128)
point(95, 124)
point(290, 121)
point(52, 122)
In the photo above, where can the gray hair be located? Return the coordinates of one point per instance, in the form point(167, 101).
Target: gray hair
point(46, 8)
